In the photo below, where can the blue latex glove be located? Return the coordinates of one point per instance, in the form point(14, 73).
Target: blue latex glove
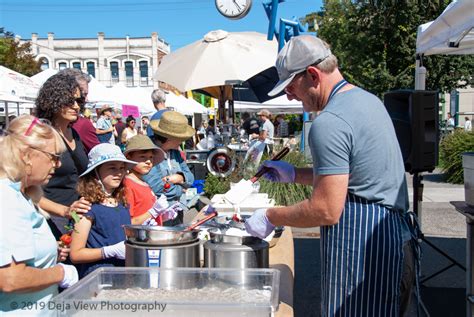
point(258, 224)
point(279, 171)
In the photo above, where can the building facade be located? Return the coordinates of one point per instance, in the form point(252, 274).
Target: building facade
point(131, 61)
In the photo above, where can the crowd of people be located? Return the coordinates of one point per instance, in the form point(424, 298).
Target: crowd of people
point(51, 165)
point(69, 184)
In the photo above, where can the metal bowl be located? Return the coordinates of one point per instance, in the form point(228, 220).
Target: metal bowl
point(161, 236)
point(219, 236)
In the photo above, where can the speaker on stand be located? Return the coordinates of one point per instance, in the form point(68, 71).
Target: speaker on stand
point(415, 116)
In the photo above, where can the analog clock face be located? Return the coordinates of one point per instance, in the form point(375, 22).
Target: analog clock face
point(233, 9)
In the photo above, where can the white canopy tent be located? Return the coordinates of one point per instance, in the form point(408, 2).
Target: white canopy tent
point(43, 76)
point(275, 106)
point(451, 33)
point(13, 106)
point(134, 96)
point(16, 84)
point(141, 97)
point(186, 106)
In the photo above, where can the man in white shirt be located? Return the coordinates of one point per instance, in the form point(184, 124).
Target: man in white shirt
point(467, 124)
point(267, 130)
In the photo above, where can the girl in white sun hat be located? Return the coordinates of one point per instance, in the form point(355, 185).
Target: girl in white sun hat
point(98, 238)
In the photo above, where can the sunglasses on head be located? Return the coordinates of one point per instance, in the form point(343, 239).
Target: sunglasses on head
point(35, 122)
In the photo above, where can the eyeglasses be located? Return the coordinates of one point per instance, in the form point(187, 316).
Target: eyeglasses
point(290, 88)
point(35, 122)
point(55, 158)
point(80, 100)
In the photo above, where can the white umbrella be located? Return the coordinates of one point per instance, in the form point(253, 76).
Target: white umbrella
point(220, 58)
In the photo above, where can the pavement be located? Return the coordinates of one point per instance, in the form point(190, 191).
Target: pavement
point(442, 295)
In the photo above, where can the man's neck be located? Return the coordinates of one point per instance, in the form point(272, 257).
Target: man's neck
point(160, 106)
point(328, 84)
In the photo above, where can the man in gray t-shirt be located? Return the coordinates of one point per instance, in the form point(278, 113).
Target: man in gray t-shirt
point(344, 141)
point(359, 196)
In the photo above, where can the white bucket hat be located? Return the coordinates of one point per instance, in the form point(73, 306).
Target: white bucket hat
point(103, 153)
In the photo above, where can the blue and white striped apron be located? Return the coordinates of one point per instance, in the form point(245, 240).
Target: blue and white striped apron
point(362, 261)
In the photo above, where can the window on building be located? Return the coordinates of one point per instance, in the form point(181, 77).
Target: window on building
point(62, 65)
point(91, 68)
point(129, 73)
point(143, 73)
point(76, 65)
point(114, 72)
point(44, 63)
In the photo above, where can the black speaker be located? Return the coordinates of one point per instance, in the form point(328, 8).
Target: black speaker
point(415, 116)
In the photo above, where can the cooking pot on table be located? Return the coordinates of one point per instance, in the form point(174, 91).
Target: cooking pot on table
point(156, 235)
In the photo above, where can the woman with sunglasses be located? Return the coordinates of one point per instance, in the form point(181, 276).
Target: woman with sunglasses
point(130, 131)
point(58, 102)
point(29, 155)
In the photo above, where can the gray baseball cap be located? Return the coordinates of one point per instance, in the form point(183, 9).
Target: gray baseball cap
point(297, 54)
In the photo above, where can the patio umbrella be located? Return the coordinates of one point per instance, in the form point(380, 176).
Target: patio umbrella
point(218, 60)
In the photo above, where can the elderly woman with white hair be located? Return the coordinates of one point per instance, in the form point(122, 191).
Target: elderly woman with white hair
point(30, 152)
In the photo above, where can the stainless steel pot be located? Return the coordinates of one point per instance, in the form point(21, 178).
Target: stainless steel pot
point(182, 255)
point(159, 236)
point(240, 256)
point(219, 236)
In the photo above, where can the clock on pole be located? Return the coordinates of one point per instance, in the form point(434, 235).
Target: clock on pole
point(233, 9)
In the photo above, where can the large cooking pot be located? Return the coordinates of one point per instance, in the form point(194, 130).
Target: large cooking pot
point(158, 236)
point(219, 236)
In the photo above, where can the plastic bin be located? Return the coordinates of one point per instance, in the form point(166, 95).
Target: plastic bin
point(208, 292)
point(199, 185)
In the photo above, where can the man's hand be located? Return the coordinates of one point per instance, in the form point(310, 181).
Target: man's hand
point(258, 224)
point(279, 171)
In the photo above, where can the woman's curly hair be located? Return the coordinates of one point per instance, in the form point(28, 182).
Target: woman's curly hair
point(90, 188)
point(56, 92)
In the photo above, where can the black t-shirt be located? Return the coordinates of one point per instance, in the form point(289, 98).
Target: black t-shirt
point(62, 186)
point(251, 125)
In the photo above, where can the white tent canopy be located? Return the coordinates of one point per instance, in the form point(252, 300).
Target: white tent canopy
point(134, 96)
point(184, 105)
point(19, 85)
point(43, 76)
point(275, 106)
point(451, 33)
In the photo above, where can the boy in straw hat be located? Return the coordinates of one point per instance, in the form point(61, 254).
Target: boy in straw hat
point(171, 176)
point(145, 208)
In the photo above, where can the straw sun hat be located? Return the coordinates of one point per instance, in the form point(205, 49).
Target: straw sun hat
point(172, 125)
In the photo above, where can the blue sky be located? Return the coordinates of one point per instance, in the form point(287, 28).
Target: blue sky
point(178, 22)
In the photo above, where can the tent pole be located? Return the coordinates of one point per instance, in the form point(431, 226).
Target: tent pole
point(420, 73)
point(7, 118)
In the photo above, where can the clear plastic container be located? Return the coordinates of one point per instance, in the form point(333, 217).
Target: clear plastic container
point(207, 292)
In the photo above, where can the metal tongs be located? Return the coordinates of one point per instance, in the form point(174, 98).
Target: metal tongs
point(212, 213)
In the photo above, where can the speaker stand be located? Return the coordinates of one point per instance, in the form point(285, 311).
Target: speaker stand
point(417, 209)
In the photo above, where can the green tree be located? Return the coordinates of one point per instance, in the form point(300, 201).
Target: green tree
point(375, 42)
point(17, 56)
point(202, 97)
